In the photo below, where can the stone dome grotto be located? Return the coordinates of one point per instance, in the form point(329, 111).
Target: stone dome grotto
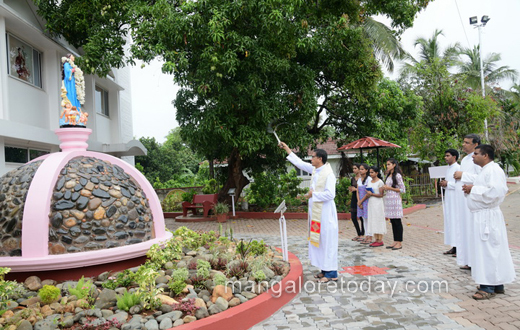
point(76, 208)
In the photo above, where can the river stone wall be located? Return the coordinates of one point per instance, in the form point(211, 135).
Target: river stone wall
point(13, 192)
point(96, 205)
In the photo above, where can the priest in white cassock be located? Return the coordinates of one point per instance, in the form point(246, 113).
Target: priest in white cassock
point(323, 217)
point(492, 265)
point(467, 174)
point(453, 201)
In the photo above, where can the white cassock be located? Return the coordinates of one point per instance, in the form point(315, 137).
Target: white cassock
point(324, 257)
point(453, 202)
point(491, 258)
point(470, 171)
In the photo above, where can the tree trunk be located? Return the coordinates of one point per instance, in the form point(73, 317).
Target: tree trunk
point(236, 178)
point(211, 168)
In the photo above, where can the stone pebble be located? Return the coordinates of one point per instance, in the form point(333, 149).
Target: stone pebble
point(97, 205)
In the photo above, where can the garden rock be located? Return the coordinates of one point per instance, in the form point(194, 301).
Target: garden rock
point(106, 299)
point(234, 302)
point(25, 325)
point(48, 282)
point(213, 309)
point(165, 308)
point(222, 291)
point(248, 295)
point(120, 317)
point(268, 273)
point(166, 324)
point(199, 302)
point(106, 313)
point(33, 283)
point(45, 325)
point(167, 300)
point(68, 321)
point(241, 297)
point(175, 315)
point(201, 313)
point(151, 325)
point(135, 309)
point(189, 319)
point(161, 280)
point(178, 322)
point(222, 303)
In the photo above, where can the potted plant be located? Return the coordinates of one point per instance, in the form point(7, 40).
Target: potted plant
point(221, 211)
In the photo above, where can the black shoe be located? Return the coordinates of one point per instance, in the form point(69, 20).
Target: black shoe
point(453, 250)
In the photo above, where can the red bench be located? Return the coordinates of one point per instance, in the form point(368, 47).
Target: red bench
point(205, 202)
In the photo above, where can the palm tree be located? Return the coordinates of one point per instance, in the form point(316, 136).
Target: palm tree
point(385, 43)
point(470, 68)
point(430, 51)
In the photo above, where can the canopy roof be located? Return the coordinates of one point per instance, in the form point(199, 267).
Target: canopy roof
point(367, 143)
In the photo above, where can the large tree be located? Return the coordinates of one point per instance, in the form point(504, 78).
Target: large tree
point(240, 64)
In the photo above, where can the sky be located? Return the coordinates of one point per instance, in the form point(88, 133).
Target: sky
point(153, 92)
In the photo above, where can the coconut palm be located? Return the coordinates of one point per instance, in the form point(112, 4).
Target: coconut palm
point(430, 51)
point(385, 43)
point(469, 67)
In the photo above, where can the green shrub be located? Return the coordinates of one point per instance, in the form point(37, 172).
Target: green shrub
point(188, 195)
point(211, 187)
point(82, 289)
point(259, 275)
point(343, 195)
point(257, 248)
point(180, 274)
point(9, 290)
point(127, 301)
point(49, 294)
point(203, 268)
point(219, 279)
point(263, 190)
point(177, 286)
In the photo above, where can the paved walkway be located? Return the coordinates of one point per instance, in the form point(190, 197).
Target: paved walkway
point(420, 288)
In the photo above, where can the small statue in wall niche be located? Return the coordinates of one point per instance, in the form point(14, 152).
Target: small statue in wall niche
point(72, 94)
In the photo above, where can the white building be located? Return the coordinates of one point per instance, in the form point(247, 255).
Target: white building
point(30, 81)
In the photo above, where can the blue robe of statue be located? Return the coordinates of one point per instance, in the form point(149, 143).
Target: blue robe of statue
point(70, 85)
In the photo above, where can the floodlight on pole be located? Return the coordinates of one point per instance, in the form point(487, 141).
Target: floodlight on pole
point(474, 21)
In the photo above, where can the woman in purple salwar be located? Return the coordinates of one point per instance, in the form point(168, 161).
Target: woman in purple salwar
point(362, 209)
point(394, 187)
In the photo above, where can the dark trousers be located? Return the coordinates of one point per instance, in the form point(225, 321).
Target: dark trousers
point(397, 229)
point(492, 288)
point(360, 230)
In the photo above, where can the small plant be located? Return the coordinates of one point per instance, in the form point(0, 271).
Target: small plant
point(192, 265)
point(219, 279)
point(176, 287)
point(180, 274)
point(259, 275)
point(218, 263)
point(92, 323)
point(257, 248)
point(187, 306)
point(243, 249)
point(82, 289)
point(198, 281)
point(127, 301)
point(147, 290)
point(49, 294)
point(203, 268)
point(9, 290)
point(238, 269)
point(221, 208)
point(188, 196)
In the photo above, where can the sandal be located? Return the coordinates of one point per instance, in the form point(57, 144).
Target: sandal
point(319, 275)
point(451, 251)
point(465, 267)
point(357, 238)
point(327, 280)
point(496, 290)
point(483, 295)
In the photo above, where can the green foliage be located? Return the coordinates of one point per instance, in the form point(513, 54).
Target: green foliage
point(259, 275)
point(343, 195)
point(180, 274)
point(188, 306)
point(173, 201)
point(176, 287)
point(9, 290)
point(188, 195)
point(221, 208)
point(82, 289)
point(147, 290)
point(271, 188)
point(219, 279)
point(243, 249)
point(407, 196)
point(122, 279)
point(49, 294)
point(211, 187)
point(127, 301)
point(160, 254)
point(203, 268)
point(257, 248)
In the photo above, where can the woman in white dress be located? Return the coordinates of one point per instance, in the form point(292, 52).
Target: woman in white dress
point(376, 207)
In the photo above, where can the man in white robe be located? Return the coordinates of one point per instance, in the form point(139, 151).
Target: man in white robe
point(492, 265)
point(453, 202)
point(323, 246)
point(467, 174)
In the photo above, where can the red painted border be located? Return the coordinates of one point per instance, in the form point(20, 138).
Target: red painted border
point(288, 215)
point(254, 311)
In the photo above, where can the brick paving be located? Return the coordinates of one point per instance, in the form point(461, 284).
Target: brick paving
point(422, 288)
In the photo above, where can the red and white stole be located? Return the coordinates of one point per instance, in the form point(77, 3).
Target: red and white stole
point(315, 223)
